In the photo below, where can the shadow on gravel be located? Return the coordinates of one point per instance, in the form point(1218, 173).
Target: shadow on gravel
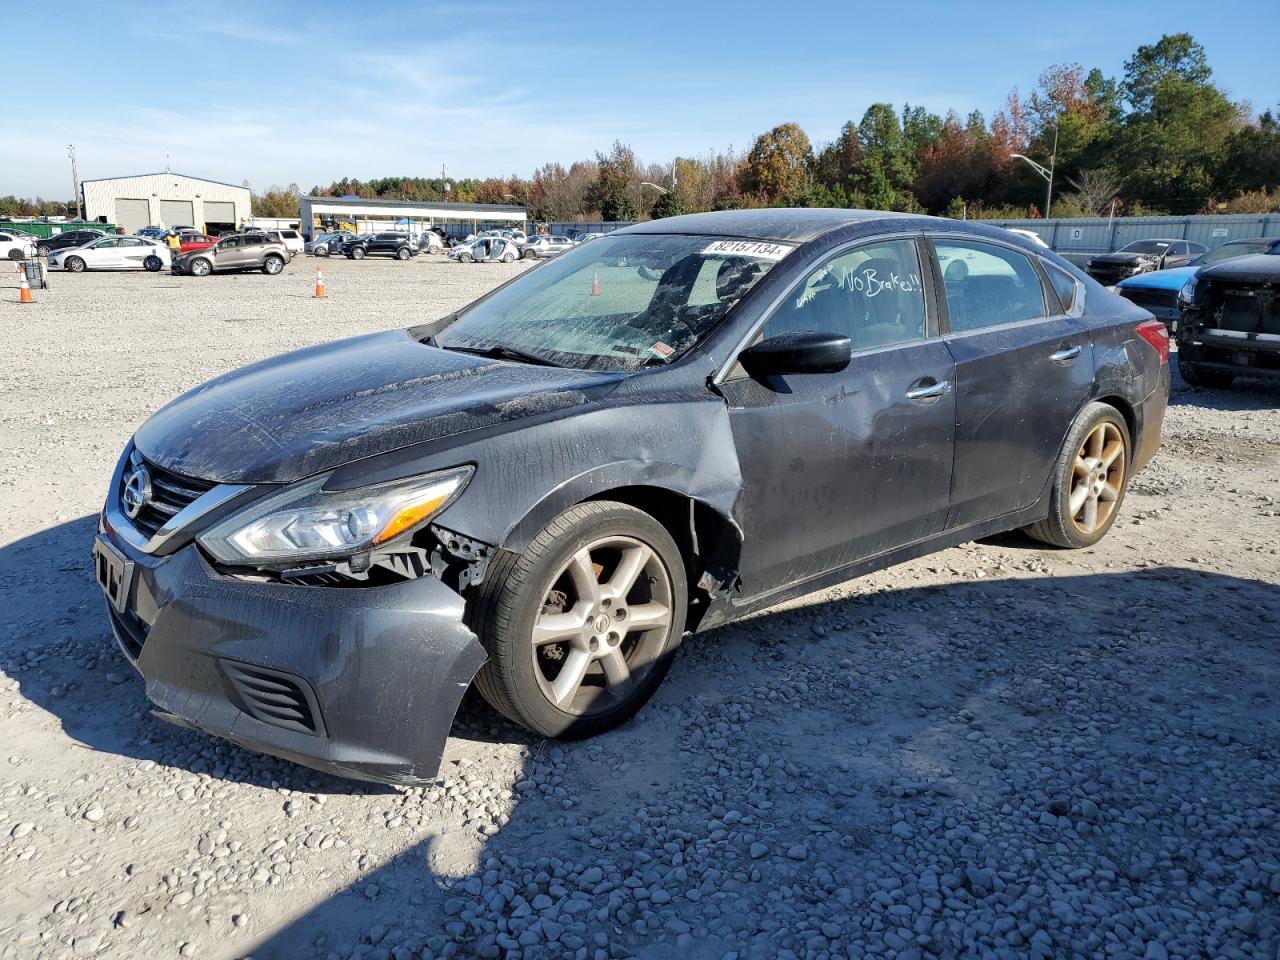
point(942, 770)
point(895, 771)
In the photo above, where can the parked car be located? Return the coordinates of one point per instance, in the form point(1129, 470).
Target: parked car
point(1230, 323)
point(486, 250)
point(291, 239)
point(112, 253)
point(587, 237)
point(1142, 256)
point(545, 247)
point(64, 241)
point(543, 492)
point(1029, 235)
point(325, 244)
point(398, 245)
point(190, 242)
point(236, 252)
point(16, 246)
point(153, 233)
point(1158, 291)
point(429, 241)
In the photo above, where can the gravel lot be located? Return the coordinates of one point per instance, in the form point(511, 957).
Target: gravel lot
point(999, 750)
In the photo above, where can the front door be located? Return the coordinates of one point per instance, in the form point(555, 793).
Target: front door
point(844, 466)
point(1023, 370)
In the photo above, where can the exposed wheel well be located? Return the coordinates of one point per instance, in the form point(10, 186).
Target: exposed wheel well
point(1126, 411)
point(709, 543)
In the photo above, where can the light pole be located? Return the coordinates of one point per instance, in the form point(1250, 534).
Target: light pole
point(646, 183)
point(1046, 172)
point(75, 178)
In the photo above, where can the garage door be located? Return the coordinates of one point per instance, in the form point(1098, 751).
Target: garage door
point(177, 213)
point(220, 211)
point(132, 215)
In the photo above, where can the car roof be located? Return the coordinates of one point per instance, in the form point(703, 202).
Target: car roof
point(792, 225)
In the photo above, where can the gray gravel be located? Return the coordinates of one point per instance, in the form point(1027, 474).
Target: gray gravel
point(997, 751)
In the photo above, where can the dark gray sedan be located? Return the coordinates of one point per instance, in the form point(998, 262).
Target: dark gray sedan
point(655, 433)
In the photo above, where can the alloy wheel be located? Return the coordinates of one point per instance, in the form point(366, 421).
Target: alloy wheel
point(603, 624)
point(1097, 478)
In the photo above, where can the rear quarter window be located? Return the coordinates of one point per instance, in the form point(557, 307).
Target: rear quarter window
point(1064, 286)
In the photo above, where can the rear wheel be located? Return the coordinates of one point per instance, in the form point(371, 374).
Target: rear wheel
point(509, 258)
point(403, 253)
point(42, 250)
point(200, 267)
point(272, 265)
point(581, 627)
point(1089, 481)
point(152, 264)
point(530, 254)
point(1196, 376)
point(74, 264)
point(15, 254)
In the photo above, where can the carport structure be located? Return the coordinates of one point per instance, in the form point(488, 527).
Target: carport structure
point(318, 213)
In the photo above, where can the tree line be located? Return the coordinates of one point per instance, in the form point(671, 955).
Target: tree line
point(1163, 138)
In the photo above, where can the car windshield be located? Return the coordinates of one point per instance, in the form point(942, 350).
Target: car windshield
point(1229, 251)
point(621, 304)
point(1146, 246)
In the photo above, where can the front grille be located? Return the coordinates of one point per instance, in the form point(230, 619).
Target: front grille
point(170, 493)
point(275, 697)
point(131, 631)
point(1160, 299)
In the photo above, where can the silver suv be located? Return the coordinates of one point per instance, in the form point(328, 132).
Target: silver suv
point(239, 251)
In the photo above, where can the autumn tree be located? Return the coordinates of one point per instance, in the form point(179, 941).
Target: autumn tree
point(778, 167)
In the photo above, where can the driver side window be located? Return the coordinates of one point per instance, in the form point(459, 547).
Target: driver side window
point(872, 294)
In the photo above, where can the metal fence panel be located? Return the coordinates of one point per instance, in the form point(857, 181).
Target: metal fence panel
point(1088, 236)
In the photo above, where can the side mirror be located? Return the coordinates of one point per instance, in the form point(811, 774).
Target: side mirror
point(804, 352)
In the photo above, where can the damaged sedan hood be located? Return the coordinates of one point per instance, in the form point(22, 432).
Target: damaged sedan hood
point(1257, 268)
point(298, 414)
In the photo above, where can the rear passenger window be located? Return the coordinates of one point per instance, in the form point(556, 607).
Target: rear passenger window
point(988, 285)
point(1064, 286)
point(871, 294)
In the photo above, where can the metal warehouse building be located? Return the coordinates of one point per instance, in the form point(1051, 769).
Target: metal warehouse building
point(165, 199)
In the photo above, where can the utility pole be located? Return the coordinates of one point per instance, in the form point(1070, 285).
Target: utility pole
point(75, 179)
point(1046, 172)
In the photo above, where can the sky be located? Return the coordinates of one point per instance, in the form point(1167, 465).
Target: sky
point(277, 93)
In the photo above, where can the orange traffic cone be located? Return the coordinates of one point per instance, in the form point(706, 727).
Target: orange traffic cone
point(319, 284)
point(24, 289)
point(595, 283)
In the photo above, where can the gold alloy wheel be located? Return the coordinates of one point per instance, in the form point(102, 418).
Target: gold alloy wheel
point(1097, 477)
point(603, 624)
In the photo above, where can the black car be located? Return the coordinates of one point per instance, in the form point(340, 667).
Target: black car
point(397, 245)
point(657, 432)
point(72, 238)
point(1230, 324)
point(1142, 256)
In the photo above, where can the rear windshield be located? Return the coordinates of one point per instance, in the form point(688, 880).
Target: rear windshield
point(621, 303)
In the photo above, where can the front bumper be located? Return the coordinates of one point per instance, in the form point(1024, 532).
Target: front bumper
point(360, 682)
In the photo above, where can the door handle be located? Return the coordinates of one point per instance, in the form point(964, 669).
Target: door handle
point(1065, 355)
point(926, 391)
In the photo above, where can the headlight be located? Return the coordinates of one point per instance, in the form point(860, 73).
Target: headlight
point(1188, 292)
point(303, 522)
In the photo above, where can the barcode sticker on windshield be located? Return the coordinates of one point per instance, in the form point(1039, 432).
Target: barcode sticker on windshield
point(759, 249)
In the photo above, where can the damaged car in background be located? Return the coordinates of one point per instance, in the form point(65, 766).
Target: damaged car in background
point(658, 432)
point(1142, 256)
point(1230, 323)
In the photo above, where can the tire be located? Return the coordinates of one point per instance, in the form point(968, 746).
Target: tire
point(322, 251)
point(42, 251)
point(1090, 466)
point(1196, 376)
point(509, 258)
point(74, 265)
point(530, 255)
point(15, 254)
point(404, 253)
point(520, 678)
point(357, 253)
point(272, 265)
point(200, 267)
point(152, 264)
point(465, 258)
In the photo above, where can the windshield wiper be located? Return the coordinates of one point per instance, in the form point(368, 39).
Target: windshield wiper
point(501, 352)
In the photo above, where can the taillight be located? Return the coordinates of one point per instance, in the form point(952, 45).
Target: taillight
point(1156, 334)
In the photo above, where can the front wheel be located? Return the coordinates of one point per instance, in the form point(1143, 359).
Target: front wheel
point(42, 251)
point(200, 268)
point(272, 265)
point(1090, 477)
point(357, 253)
point(530, 255)
point(74, 264)
point(582, 626)
point(1194, 375)
point(465, 258)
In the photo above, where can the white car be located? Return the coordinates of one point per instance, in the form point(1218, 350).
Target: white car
point(17, 246)
point(113, 253)
point(1029, 235)
point(486, 250)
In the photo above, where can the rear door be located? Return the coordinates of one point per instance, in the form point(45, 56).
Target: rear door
point(844, 466)
point(1024, 367)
